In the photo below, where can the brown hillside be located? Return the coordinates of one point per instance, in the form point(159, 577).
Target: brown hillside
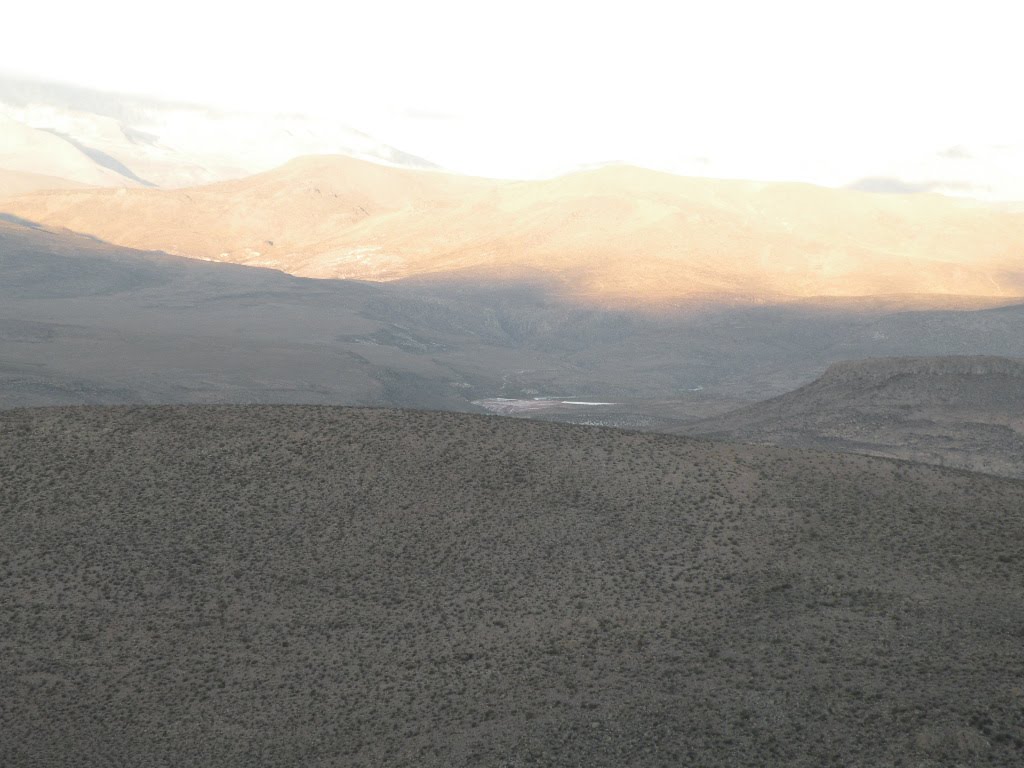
point(960, 411)
point(22, 182)
point(613, 234)
point(336, 587)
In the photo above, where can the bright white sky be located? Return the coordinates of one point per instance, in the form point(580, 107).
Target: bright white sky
point(817, 90)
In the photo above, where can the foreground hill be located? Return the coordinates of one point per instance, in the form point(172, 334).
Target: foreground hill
point(965, 411)
point(315, 586)
point(617, 234)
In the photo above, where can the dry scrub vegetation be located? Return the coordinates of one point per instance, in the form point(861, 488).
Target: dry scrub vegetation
point(963, 411)
point(314, 586)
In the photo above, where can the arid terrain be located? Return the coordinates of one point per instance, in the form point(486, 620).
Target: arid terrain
point(604, 236)
point(82, 321)
point(323, 586)
point(20, 182)
point(965, 411)
point(449, 385)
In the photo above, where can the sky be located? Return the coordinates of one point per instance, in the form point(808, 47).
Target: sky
point(902, 92)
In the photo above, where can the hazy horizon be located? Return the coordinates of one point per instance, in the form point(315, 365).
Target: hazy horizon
point(907, 99)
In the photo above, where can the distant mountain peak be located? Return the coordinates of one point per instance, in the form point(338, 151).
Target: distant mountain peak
point(128, 140)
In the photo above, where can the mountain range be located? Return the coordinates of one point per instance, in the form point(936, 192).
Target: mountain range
point(802, 545)
point(84, 321)
point(78, 136)
point(603, 236)
point(615, 295)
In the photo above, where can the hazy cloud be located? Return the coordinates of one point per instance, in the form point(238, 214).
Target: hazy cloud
point(957, 152)
point(414, 113)
point(22, 92)
point(893, 186)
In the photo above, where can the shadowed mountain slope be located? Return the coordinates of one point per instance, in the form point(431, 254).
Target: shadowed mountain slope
point(82, 321)
point(617, 234)
point(315, 586)
point(28, 150)
point(965, 411)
